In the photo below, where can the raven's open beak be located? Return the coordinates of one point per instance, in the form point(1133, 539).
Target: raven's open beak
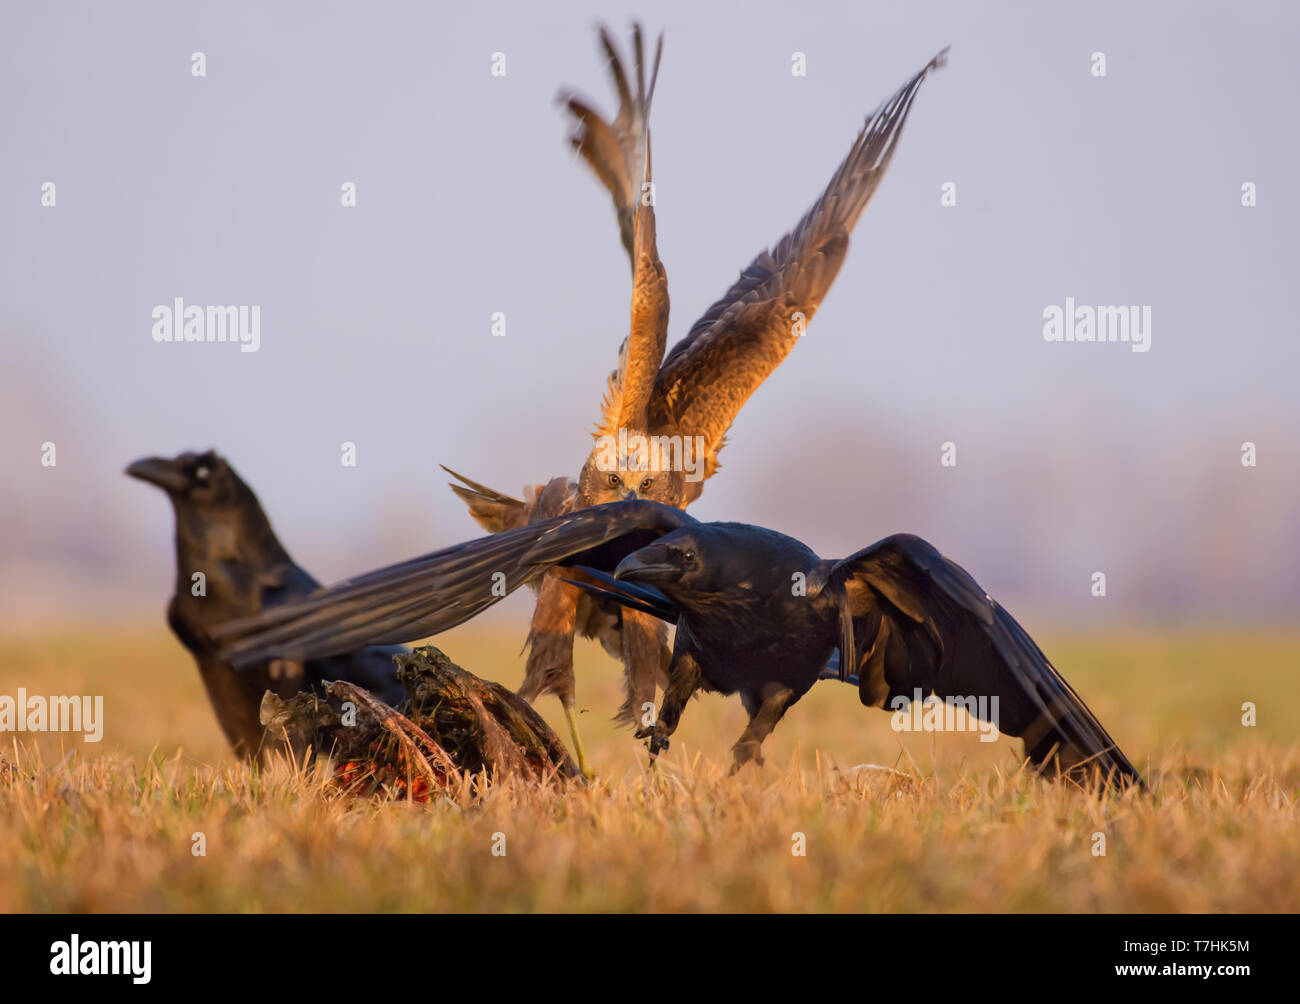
point(161, 472)
point(640, 566)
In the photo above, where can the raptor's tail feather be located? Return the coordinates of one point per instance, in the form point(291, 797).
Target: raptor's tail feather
point(494, 511)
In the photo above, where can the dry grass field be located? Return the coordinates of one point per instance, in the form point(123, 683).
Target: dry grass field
point(956, 826)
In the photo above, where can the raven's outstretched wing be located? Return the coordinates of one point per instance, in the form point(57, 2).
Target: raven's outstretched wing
point(742, 338)
point(920, 622)
point(371, 667)
point(429, 594)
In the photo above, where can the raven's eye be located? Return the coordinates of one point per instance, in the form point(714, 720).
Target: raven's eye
point(688, 557)
point(613, 480)
point(201, 473)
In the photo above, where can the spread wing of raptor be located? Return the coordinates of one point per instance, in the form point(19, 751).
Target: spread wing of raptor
point(743, 337)
point(615, 149)
point(618, 152)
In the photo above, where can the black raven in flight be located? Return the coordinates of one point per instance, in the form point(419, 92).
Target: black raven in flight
point(758, 614)
point(229, 564)
point(688, 398)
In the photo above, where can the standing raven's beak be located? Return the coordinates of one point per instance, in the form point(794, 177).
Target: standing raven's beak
point(160, 471)
point(641, 566)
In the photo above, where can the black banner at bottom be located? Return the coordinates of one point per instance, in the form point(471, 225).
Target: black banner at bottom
point(333, 952)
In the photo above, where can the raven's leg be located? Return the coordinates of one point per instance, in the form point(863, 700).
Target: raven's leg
point(764, 713)
point(684, 678)
point(550, 652)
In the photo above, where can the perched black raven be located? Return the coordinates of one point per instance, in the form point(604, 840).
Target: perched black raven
point(229, 563)
point(758, 614)
point(666, 413)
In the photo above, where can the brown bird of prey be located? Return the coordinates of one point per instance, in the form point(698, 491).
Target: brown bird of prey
point(665, 417)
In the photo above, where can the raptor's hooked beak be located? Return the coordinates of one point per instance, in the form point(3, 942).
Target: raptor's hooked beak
point(641, 566)
point(161, 472)
point(630, 496)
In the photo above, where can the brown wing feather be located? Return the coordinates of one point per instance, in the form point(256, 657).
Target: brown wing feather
point(497, 512)
point(743, 337)
point(613, 149)
point(643, 350)
point(494, 511)
point(619, 153)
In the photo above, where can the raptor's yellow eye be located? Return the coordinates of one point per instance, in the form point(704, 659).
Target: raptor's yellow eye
point(613, 480)
point(646, 484)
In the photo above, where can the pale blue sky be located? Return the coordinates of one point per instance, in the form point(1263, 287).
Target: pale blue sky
point(375, 320)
